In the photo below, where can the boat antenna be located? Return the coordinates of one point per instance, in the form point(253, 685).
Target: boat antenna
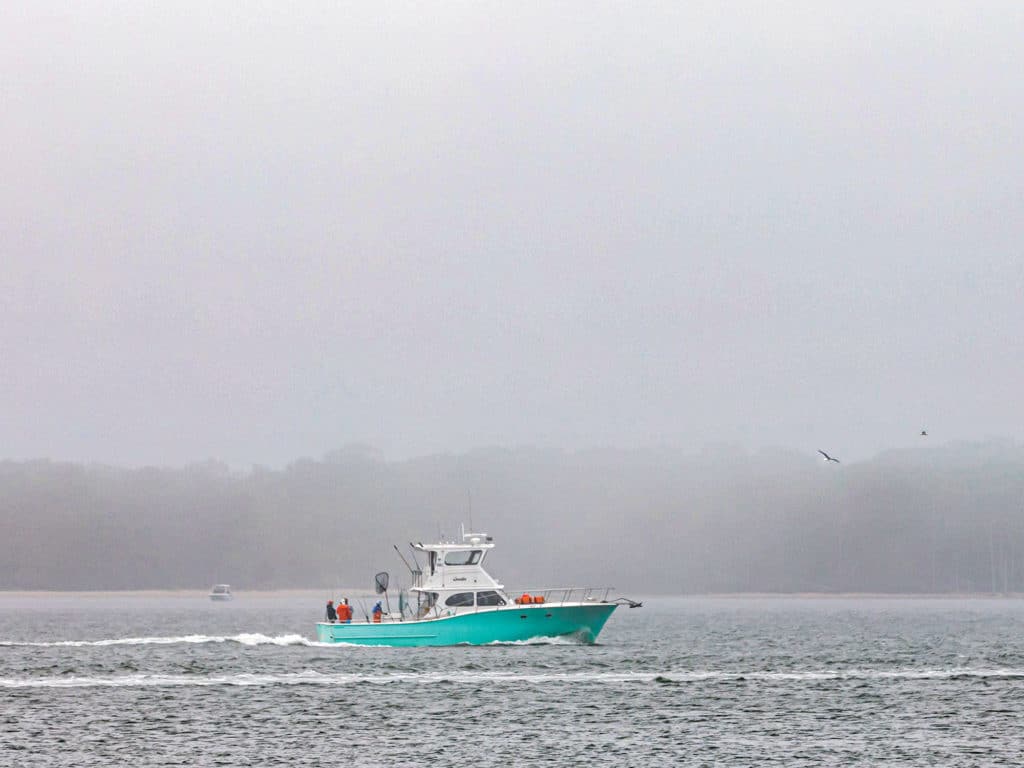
point(469, 498)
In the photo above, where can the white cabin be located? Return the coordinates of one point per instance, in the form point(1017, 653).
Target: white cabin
point(454, 581)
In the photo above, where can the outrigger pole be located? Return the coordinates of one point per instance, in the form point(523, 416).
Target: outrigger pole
point(419, 570)
point(412, 551)
point(411, 571)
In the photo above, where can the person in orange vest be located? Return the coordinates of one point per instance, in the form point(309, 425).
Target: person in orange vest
point(344, 611)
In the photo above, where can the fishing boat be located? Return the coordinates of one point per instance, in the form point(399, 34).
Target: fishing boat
point(221, 592)
point(454, 601)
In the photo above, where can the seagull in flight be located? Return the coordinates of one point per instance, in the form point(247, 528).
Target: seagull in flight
point(827, 457)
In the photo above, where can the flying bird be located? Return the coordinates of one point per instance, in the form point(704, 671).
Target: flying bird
point(827, 457)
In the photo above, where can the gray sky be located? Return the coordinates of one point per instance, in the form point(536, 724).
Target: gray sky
point(257, 233)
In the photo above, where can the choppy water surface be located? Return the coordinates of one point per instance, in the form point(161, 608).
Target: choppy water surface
point(684, 681)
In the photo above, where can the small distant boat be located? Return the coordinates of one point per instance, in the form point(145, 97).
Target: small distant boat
point(221, 592)
point(454, 601)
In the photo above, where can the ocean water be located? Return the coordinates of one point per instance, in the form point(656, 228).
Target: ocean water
point(144, 681)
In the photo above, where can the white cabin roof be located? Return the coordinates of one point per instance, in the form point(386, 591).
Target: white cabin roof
point(469, 541)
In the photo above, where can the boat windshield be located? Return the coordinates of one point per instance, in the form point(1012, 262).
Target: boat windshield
point(221, 589)
point(463, 557)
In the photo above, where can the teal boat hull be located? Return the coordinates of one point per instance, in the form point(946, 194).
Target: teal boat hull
point(582, 622)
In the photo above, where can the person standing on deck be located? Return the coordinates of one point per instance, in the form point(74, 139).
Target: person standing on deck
point(332, 615)
point(344, 611)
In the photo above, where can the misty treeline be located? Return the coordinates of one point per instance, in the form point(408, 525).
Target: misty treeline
point(942, 519)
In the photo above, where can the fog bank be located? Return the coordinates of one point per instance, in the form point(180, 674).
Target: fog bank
point(943, 519)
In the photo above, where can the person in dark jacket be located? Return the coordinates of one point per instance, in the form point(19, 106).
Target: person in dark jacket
point(332, 615)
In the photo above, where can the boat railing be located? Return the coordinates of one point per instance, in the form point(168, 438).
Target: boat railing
point(560, 595)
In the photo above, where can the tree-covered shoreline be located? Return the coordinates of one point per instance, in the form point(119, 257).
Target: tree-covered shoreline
point(948, 519)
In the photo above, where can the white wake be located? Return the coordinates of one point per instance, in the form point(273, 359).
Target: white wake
point(249, 638)
point(311, 677)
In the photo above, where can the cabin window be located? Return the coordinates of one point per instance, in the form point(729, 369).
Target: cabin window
point(460, 600)
point(463, 557)
point(489, 598)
